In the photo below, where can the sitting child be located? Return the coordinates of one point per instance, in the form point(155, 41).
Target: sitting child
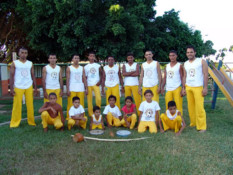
point(96, 119)
point(52, 114)
point(76, 114)
point(129, 113)
point(112, 112)
point(148, 110)
point(172, 119)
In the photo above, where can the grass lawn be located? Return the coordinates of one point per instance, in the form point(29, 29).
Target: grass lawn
point(27, 150)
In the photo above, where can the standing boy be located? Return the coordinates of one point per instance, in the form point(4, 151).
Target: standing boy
point(111, 79)
point(195, 77)
point(173, 78)
point(76, 82)
point(150, 76)
point(93, 72)
point(52, 79)
point(21, 79)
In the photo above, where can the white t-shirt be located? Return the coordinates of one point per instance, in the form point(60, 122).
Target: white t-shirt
point(74, 111)
point(92, 73)
point(149, 110)
point(131, 81)
point(150, 78)
point(173, 80)
point(170, 116)
point(115, 111)
point(76, 79)
point(96, 121)
point(112, 77)
point(52, 77)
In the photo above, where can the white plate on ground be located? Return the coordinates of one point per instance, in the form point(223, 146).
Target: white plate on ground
point(96, 132)
point(123, 133)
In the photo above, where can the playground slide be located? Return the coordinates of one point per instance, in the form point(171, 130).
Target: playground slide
point(223, 82)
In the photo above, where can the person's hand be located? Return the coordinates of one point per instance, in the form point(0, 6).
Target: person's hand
point(122, 89)
point(98, 84)
point(159, 90)
point(162, 91)
point(53, 110)
point(183, 92)
point(161, 130)
point(61, 93)
point(140, 91)
point(68, 93)
point(128, 125)
point(12, 92)
point(46, 95)
point(178, 133)
point(102, 91)
point(84, 119)
point(204, 92)
point(35, 92)
point(86, 91)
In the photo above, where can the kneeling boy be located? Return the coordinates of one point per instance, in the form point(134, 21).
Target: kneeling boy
point(112, 112)
point(172, 119)
point(96, 119)
point(76, 115)
point(149, 109)
point(50, 113)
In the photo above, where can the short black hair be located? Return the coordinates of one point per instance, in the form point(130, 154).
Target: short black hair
point(95, 108)
point(129, 54)
point(110, 56)
point(148, 91)
point(129, 98)
point(75, 98)
point(112, 96)
point(23, 48)
point(173, 51)
point(149, 51)
point(91, 53)
point(75, 55)
point(53, 94)
point(171, 104)
point(52, 54)
point(191, 47)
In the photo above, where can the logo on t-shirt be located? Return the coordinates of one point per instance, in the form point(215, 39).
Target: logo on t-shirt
point(170, 74)
point(54, 75)
point(111, 75)
point(24, 73)
point(77, 77)
point(149, 113)
point(192, 72)
point(149, 73)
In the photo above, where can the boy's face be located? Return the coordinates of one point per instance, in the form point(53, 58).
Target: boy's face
point(111, 61)
point(97, 113)
point(148, 96)
point(52, 59)
point(149, 55)
point(75, 59)
point(76, 103)
point(172, 57)
point(112, 101)
point(130, 59)
point(23, 53)
point(91, 58)
point(128, 102)
point(52, 99)
point(172, 109)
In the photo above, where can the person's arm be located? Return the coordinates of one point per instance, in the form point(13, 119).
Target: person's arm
point(181, 78)
point(12, 78)
point(205, 74)
point(183, 125)
point(121, 80)
point(130, 74)
point(103, 81)
point(91, 122)
point(68, 81)
point(139, 119)
point(157, 119)
point(100, 74)
point(85, 82)
point(184, 82)
point(160, 125)
point(164, 81)
point(78, 117)
point(33, 79)
point(61, 82)
point(137, 72)
point(159, 78)
point(105, 116)
point(45, 107)
point(61, 114)
point(140, 81)
point(125, 118)
point(102, 123)
point(44, 82)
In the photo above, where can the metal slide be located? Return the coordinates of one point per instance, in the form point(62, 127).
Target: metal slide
point(223, 82)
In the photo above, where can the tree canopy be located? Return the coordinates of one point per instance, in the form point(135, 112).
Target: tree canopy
point(108, 27)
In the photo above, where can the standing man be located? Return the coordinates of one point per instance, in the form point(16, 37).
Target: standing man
point(130, 71)
point(76, 83)
point(150, 77)
point(111, 79)
point(173, 78)
point(21, 79)
point(52, 79)
point(195, 77)
point(93, 73)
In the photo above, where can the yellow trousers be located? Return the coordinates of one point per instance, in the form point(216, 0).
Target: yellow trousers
point(175, 95)
point(129, 90)
point(171, 124)
point(196, 109)
point(48, 120)
point(154, 90)
point(96, 90)
point(113, 91)
point(113, 121)
point(57, 92)
point(71, 123)
point(144, 124)
point(99, 126)
point(131, 119)
point(17, 107)
point(70, 101)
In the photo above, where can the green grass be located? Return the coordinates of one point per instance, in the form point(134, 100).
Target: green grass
point(27, 150)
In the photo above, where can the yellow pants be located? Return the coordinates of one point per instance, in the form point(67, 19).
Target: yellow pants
point(196, 109)
point(175, 95)
point(71, 123)
point(129, 90)
point(113, 121)
point(99, 126)
point(113, 91)
point(171, 124)
point(70, 101)
point(154, 90)
point(96, 90)
point(144, 124)
point(17, 107)
point(57, 92)
point(131, 119)
point(48, 120)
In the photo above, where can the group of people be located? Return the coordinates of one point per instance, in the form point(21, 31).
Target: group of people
point(140, 85)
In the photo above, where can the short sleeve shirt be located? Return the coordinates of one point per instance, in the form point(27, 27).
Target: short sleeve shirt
point(148, 110)
point(74, 111)
point(115, 111)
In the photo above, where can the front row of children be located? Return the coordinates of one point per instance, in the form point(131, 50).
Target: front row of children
point(149, 115)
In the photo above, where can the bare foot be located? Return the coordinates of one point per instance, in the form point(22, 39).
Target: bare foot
point(62, 129)
point(202, 131)
point(46, 129)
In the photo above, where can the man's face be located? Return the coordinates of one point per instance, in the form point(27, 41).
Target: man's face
point(91, 58)
point(75, 59)
point(149, 55)
point(76, 103)
point(23, 53)
point(52, 59)
point(190, 53)
point(130, 59)
point(172, 57)
point(111, 61)
point(52, 99)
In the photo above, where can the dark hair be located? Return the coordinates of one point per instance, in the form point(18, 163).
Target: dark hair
point(91, 53)
point(148, 91)
point(52, 94)
point(129, 98)
point(171, 104)
point(191, 47)
point(110, 56)
point(95, 108)
point(52, 54)
point(75, 55)
point(129, 54)
point(75, 98)
point(173, 51)
point(23, 48)
point(149, 51)
point(112, 96)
